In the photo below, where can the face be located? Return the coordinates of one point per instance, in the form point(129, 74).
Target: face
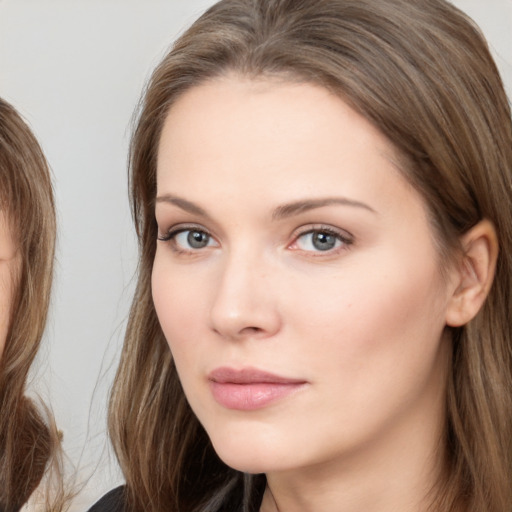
point(296, 278)
point(8, 265)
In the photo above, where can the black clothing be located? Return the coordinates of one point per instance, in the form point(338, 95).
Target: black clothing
point(113, 501)
point(242, 489)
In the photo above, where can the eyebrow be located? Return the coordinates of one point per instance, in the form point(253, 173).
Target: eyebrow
point(297, 207)
point(281, 212)
point(185, 205)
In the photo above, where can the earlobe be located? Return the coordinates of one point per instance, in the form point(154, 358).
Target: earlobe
point(475, 273)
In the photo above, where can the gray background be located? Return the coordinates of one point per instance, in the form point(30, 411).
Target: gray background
point(75, 69)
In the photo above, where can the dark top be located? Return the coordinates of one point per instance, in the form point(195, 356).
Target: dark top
point(113, 501)
point(232, 500)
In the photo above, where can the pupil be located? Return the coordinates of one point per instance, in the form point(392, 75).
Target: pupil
point(197, 239)
point(324, 241)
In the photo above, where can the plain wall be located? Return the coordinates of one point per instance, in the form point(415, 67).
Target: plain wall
point(75, 70)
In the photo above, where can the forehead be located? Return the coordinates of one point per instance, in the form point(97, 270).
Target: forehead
point(267, 122)
point(272, 136)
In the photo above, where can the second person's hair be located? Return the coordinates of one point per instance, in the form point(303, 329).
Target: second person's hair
point(29, 442)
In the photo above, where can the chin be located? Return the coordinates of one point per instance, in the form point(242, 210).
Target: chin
point(253, 454)
point(252, 463)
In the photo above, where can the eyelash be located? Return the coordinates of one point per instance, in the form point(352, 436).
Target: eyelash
point(345, 238)
point(171, 235)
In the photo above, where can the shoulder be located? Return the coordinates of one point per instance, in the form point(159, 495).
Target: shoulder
point(113, 501)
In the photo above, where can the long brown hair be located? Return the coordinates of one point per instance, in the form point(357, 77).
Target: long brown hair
point(28, 437)
point(421, 72)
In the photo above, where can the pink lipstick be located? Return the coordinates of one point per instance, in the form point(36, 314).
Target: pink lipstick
point(249, 389)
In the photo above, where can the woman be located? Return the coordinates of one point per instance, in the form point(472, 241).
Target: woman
point(29, 443)
point(321, 191)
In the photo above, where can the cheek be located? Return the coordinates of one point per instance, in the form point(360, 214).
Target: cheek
point(179, 299)
point(176, 297)
point(362, 322)
point(371, 344)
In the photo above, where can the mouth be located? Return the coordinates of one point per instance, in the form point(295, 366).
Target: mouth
point(249, 389)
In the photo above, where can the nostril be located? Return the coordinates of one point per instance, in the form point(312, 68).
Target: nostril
point(252, 330)
point(244, 332)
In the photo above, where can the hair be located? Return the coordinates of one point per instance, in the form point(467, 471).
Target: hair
point(29, 441)
point(422, 73)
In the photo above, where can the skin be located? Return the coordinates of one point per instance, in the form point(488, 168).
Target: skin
point(361, 324)
point(9, 262)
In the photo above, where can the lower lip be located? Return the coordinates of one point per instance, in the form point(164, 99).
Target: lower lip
point(251, 396)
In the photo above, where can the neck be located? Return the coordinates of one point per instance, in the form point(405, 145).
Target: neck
point(385, 484)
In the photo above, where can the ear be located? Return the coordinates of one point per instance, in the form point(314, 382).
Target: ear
point(474, 273)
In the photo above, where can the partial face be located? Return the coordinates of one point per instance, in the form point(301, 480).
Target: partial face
point(295, 277)
point(8, 266)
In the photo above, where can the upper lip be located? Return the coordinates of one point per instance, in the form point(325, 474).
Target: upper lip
point(225, 375)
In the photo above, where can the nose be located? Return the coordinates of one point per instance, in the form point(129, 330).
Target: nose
point(245, 304)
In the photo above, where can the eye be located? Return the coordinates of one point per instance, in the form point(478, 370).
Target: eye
point(320, 240)
point(193, 239)
point(187, 239)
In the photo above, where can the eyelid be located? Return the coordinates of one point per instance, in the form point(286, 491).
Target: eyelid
point(346, 238)
point(176, 229)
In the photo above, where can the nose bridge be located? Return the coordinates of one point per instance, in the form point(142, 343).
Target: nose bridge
point(244, 303)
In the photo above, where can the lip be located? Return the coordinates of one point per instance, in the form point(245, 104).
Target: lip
point(249, 389)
